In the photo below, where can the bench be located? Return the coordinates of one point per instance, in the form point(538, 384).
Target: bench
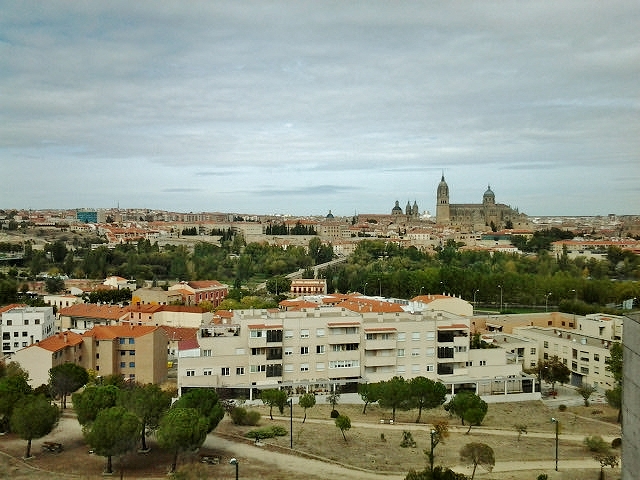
point(387, 421)
point(210, 459)
point(53, 447)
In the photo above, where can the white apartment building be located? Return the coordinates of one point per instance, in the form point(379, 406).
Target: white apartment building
point(22, 325)
point(584, 349)
point(317, 348)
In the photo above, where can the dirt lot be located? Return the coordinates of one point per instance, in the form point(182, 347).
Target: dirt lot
point(370, 448)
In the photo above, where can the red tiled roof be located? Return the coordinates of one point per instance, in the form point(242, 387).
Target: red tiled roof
point(60, 340)
point(381, 329)
point(104, 332)
point(92, 310)
point(181, 308)
point(455, 326)
point(179, 333)
point(6, 308)
point(188, 344)
point(261, 326)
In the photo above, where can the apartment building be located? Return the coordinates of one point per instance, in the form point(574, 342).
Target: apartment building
point(584, 349)
point(22, 325)
point(195, 292)
point(318, 348)
point(85, 316)
point(39, 358)
point(135, 352)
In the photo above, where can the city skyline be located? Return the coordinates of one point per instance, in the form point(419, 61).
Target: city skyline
point(304, 107)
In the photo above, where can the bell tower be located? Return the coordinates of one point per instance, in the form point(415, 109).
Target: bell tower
point(442, 205)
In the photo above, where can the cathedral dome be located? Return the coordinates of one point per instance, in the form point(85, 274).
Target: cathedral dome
point(396, 210)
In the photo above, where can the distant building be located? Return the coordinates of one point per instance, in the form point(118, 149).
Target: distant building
point(474, 216)
point(22, 325)
point(195, 292)
point(309, 286)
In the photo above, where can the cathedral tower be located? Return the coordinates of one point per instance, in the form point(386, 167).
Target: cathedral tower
point(442, 205)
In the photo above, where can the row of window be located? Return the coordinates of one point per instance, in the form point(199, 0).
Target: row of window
point(36, 321)
point(7, 335)
point(277, 335)
point(7, 345)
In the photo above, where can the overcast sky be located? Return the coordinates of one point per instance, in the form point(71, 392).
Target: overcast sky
point(304, 107)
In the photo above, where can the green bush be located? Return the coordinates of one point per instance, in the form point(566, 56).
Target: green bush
point(543, 476)
point(267, 432)
point(562, 407)
point(616, 442)
point(596, 444)
point(240, 416)
point(335, 413)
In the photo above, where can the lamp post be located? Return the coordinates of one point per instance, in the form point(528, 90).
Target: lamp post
point(420, 291)
point(500, 287)
point(433, 433)
point(474, 298)
point(546, 302)
point(234, 461)
point(291, 423)
point(557, 422)
point(365, 289)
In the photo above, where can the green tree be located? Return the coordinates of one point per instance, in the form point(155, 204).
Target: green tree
point(478, 454)
point(274, 398)
point(585, 391)
point(308, 400)
point(65, 379)
point(438, 473)
point(54, 285)
point(149, 402)
point(438, 433)
point(206, 402)
point(369, 393)
point(115, 431)
point(92, 400)
point(343, 423)
point(394, 394)
point(182, 429)
point(468, 407)
point(34, 417)
point(426, 394)
point(278, 285)
point(13, 389)
point(554, 371)
point(334, 397)
point(614, 396)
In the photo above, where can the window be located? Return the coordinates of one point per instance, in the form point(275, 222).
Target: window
point(430, 368)
point(344, 364)
point(483, 363)
point(415, 368)
point(132, 341)
point(132, 352)
point(207, 372)
point(255, 334)
point(545, 356)
point(206, 353)
point(257, 351)
point(401, 352)
point(16, 344)
point(431, 352)
point(415, 336)
point(415, 352)
point(431, 335)
point(224, 371)
point(239, 351)
point(546, 344)
point(319, 367)
point(9, 322)
point(36, 321)
point(304, 350)
point(257, 368)
point(304, 333)
point(16, 334)
point(132, 364)
point(533, 351)
point(288, 368)
point(319, 332)
point(123, 364)
point(6, 336)
point(320, 349)
point(288, 351)
point(123, 353)
point(596, 357)
point(191, 373)
point(24, 344)
point(239, 370)
point(304, 367)
point(26, 321)
point(122, 341)
point(400, 370)
point(402, 336)
point(288, 334)
point(370, 336)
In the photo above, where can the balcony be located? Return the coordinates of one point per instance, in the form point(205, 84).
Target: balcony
point(446, 352)
point(379, 344)
point(379, 360)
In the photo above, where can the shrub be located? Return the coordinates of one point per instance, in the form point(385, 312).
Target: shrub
point(562, 407)
point(253, 418)
point(616, 442)
point(596, 444)
point(335, 413)
point(543, 476)
point(240, 416)
point(267, 432)
point(407, 440)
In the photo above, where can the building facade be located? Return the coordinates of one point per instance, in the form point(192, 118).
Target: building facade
point(316, 349)
point(22, 325)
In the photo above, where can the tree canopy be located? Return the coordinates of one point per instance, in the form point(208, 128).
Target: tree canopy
point(206, 402)
point(426, 394)
point(468, 407)
point(182, 429)
point(92, 400)
point(308, 400)
point(274, 398)
point(34, 417)
point(149, 402)
point(394, 394)
point(478, 454)
point(65, 379)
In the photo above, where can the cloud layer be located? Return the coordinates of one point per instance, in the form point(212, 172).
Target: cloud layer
point(302, 107)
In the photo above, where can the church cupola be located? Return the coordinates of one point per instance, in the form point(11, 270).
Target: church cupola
point(489, 197)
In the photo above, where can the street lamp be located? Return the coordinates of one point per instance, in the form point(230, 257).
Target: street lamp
point(365, 289)
point(291, 423)
point(500, 287)
point(474, 297)
point(546, 302)
point(234, 461)
point(433, 433)
point(557, 422)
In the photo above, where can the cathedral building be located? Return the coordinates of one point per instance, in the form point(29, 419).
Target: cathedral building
point(476, 217)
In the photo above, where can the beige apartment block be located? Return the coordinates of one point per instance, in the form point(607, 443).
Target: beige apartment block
point(62, 301)
point(135, 352)
point(315, 349)
point(39, 358)
point(631, 398)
